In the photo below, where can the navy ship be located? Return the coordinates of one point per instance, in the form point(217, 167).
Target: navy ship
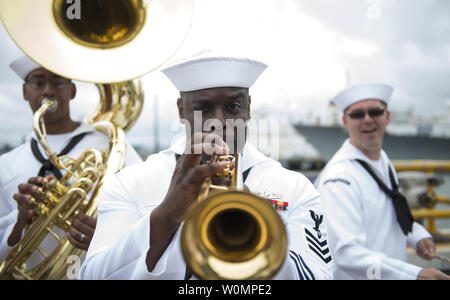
point(327, 140)
point(407, 136)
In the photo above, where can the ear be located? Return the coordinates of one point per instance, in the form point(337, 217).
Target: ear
point(388, 115)
point(180, 108)
point(249, 102)
point(344, 121)
point(24, 92)
point(73, 90)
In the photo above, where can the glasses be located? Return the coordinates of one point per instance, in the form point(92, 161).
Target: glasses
point(40, 83)
point(360, 114)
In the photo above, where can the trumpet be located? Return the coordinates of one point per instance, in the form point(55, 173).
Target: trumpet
point(231, 233)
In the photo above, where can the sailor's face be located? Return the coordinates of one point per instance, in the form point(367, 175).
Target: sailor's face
point(223, 111)
point(366, 122)
point(41, 84)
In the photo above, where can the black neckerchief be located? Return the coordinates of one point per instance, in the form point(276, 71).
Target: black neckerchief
point(46, 163)
point(404, 216)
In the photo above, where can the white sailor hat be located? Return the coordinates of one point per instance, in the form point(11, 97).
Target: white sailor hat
point(211, 72)
point(23, 66)
point(362, 92)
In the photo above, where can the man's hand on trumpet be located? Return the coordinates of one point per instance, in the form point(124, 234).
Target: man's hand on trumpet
point(183, 191)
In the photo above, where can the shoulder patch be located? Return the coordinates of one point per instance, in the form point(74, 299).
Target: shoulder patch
point(320, 249)
point(316, 242)
point(333, 180)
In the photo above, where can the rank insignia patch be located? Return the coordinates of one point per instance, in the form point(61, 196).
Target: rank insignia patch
point(317, 243)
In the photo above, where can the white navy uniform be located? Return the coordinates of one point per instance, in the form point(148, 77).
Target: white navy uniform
point(121, 240)
point(365, 238)
point(18, 165)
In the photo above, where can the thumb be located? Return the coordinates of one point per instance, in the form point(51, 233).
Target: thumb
point(50, 178)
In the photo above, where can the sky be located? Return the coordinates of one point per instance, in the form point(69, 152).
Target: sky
point(314, 49)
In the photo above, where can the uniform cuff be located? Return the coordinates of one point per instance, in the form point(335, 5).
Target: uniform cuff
point(411, 271)
point(4, 248)
point(162, 270)
point(418, 233)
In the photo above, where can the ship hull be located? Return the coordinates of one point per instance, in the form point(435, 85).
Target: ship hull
point(327, 140)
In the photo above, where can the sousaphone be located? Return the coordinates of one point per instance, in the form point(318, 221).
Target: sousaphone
point(111, 43)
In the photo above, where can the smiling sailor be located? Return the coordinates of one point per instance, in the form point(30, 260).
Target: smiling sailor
point(143, 208)
point(370, 224)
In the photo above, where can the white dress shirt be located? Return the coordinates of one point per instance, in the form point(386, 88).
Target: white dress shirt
point(122, 237)
point(365, 238)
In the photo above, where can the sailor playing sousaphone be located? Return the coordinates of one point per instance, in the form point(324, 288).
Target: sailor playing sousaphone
point(144, 207)
point(24, 168)
point(106, 46)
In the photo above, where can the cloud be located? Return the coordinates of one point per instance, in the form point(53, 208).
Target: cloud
point(413, 41)
point(15, 114)
point(309, 45)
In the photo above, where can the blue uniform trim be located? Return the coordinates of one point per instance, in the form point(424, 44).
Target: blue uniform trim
point(308, 269)
point(301, 266)
point(295, 259)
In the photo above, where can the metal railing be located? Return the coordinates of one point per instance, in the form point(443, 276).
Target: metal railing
point(428, 213)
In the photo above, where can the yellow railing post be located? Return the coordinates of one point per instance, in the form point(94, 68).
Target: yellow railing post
point(428, 166)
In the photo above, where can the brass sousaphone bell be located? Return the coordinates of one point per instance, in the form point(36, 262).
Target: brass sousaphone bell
point(107, 42)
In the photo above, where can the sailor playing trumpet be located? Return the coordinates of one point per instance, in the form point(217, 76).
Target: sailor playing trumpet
point(143, 208)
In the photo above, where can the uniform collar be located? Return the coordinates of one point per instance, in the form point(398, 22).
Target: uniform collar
point(350, 152)
point(251, 155)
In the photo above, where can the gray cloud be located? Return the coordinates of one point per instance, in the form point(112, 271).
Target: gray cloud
point(412, 38)
point(414, 41)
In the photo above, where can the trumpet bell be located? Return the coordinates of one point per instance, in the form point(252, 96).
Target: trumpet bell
point(120, 39)
point(234, 235)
